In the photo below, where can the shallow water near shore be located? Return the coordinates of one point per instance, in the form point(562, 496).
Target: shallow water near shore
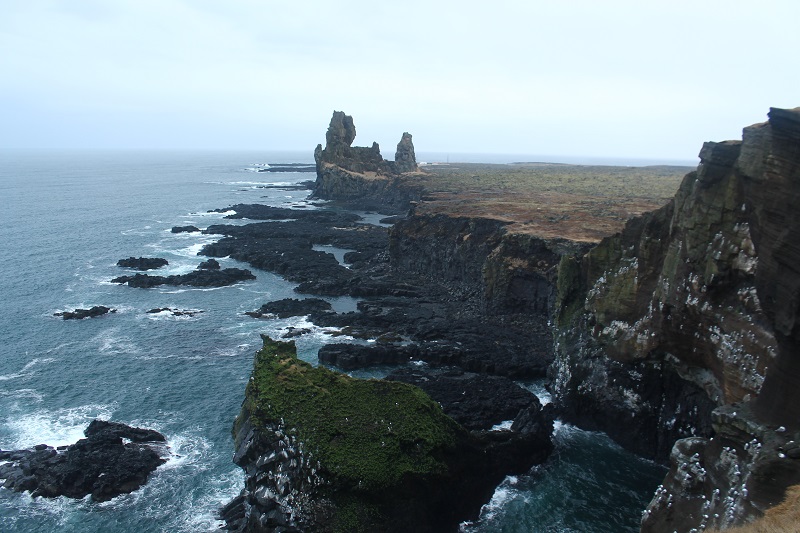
point(68, 218)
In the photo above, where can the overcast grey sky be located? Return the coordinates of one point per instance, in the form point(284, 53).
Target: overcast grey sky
point(612, 78)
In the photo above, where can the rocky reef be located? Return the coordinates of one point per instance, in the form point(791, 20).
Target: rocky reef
point(207, 274)
point(142, 263)
point(113, 459)
point(79, 314)
point(326, 452)
point(358, 175)
point(683, 327)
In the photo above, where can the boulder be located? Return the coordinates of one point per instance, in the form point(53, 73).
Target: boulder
point(142, 263)
point(79, 314)
point(184, 229)
point(211, 264)
point(113, 459)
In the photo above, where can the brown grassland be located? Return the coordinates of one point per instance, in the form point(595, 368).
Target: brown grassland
point(577, 202)
point(783, 518)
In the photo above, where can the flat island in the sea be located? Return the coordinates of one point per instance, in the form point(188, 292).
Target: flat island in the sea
point(576, 202)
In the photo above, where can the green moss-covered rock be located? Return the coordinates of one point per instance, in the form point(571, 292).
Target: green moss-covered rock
point(326, 452)
point(366, 433)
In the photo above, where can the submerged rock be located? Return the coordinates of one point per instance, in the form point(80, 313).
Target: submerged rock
point(143, 263)
point(113, 459)
point(79, 314)
point(326, 452)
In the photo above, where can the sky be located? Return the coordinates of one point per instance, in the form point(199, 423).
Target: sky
point(588, 78)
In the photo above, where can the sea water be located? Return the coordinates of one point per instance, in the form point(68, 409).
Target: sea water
point(66, 219)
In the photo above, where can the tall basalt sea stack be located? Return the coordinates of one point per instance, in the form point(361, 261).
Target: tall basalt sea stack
point(683, 329)
point(404, 158)
point(359, 175)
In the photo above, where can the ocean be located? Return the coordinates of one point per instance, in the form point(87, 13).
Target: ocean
point(67, 218)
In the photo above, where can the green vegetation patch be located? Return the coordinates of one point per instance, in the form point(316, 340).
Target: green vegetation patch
point(367, 433)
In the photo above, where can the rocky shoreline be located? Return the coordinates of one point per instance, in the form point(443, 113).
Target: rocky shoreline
point(113, 459)
point(666, 336)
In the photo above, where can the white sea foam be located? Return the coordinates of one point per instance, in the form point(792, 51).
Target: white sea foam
point(503, 426)
point(54, 428)
point(167, 314)
point(28, 369)
point(111, 341)
point(504, 493)
point(31, 394)
point(204, 514)
point(216, 214)
point(165, 290)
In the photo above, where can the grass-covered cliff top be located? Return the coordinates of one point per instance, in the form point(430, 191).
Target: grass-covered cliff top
point(367, 433)
point(577, 202)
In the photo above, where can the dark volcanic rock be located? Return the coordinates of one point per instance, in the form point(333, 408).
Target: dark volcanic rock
point(359, 176)
point(184, 229)
point(211, 264)
point(102, 464)
point(475, 401)
point(286, 248)
point(684, 328)
point(435, 333)
point(93, 312)
point(325, 452)
point(198, 278)
point(291, 307)
point(142, 263)
point(266, 212)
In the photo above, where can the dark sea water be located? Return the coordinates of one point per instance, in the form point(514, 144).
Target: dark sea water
point(66, 218)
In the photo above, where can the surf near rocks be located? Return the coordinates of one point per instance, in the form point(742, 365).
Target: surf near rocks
point(113, 459)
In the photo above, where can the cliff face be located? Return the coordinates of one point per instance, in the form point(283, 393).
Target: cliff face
point(325, 452)
point(507, 272)
point(359, 175)
point(689, 311)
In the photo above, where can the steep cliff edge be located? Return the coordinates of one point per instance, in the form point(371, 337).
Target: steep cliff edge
point(684, 326)
point(325, 452)
point(358, 175)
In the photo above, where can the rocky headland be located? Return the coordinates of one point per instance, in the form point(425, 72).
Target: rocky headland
point(667, 322)
point(325, 452)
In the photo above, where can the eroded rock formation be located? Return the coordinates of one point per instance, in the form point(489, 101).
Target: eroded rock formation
point(359, 175)
point(325, 452)
point(684, 327)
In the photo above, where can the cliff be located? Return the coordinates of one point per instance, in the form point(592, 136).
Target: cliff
point(325, 452)
point(359, 175)
point(683, 327)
